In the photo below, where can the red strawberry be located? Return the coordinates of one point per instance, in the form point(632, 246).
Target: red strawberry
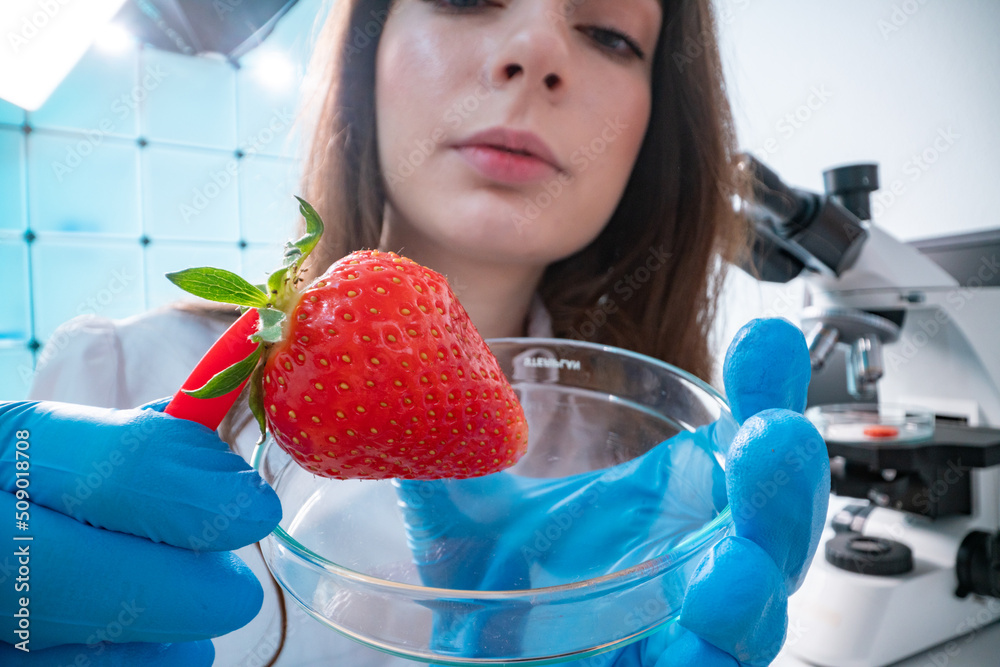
point(376, 372)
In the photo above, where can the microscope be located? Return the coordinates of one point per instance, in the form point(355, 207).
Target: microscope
point(910, 557)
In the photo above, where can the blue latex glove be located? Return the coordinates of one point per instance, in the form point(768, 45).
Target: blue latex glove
point(735, 605)
point(133, 515)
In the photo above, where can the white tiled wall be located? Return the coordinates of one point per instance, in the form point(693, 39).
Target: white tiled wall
point(10, 114)
point(79, 185)
point(12, 219)
point(192, 101)
point(144, 162)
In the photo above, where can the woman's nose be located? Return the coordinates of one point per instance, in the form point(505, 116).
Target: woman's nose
point(534, 45)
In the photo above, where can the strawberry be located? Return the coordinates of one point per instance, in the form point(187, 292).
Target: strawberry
point(373, 371)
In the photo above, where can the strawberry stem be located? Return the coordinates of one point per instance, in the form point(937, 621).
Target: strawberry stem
point(232, 347)
point(236, 356)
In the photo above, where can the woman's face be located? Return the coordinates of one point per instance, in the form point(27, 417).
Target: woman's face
point(575, 73)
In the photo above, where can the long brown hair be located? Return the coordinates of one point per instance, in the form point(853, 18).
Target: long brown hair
point(677, 203)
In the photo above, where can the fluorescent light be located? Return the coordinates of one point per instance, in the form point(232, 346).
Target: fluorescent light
point(272, 68)
point(114, 38)
point(41, 42)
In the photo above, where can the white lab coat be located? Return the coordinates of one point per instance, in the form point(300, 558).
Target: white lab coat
point(124, 363)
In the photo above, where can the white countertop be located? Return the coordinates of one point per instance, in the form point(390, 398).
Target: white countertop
point(980, 649)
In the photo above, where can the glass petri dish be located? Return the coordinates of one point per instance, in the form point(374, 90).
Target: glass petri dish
point(872, 422)
point(582, 547)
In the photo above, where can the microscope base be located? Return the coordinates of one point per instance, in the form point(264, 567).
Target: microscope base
point(843, 619)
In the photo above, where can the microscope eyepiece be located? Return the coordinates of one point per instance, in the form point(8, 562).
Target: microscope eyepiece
point(851, 186)
point(822, 233)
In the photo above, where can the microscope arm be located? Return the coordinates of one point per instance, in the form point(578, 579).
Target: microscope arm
point(885, 263)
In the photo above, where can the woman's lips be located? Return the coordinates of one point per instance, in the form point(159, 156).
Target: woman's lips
point(504, 166)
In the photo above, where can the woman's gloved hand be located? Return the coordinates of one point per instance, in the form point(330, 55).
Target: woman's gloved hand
point(778, 482)
point(735, 607)
point(131, 516)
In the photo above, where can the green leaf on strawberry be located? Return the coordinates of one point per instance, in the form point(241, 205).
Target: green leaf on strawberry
point(314, 229)
point(219, 285)
point(374, 370)
point(230, 378)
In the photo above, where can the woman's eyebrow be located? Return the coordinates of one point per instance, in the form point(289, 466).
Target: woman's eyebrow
point(651, 8)
point(658, 4)
point(653, 5)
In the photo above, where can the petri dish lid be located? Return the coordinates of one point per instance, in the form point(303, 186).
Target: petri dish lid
point(872, 422)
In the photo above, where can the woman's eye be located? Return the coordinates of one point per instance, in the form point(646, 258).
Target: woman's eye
point(616, 43)
point(612, 42)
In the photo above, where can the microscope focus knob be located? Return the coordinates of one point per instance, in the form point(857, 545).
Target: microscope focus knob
point(868, 555)
point(978, 565)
